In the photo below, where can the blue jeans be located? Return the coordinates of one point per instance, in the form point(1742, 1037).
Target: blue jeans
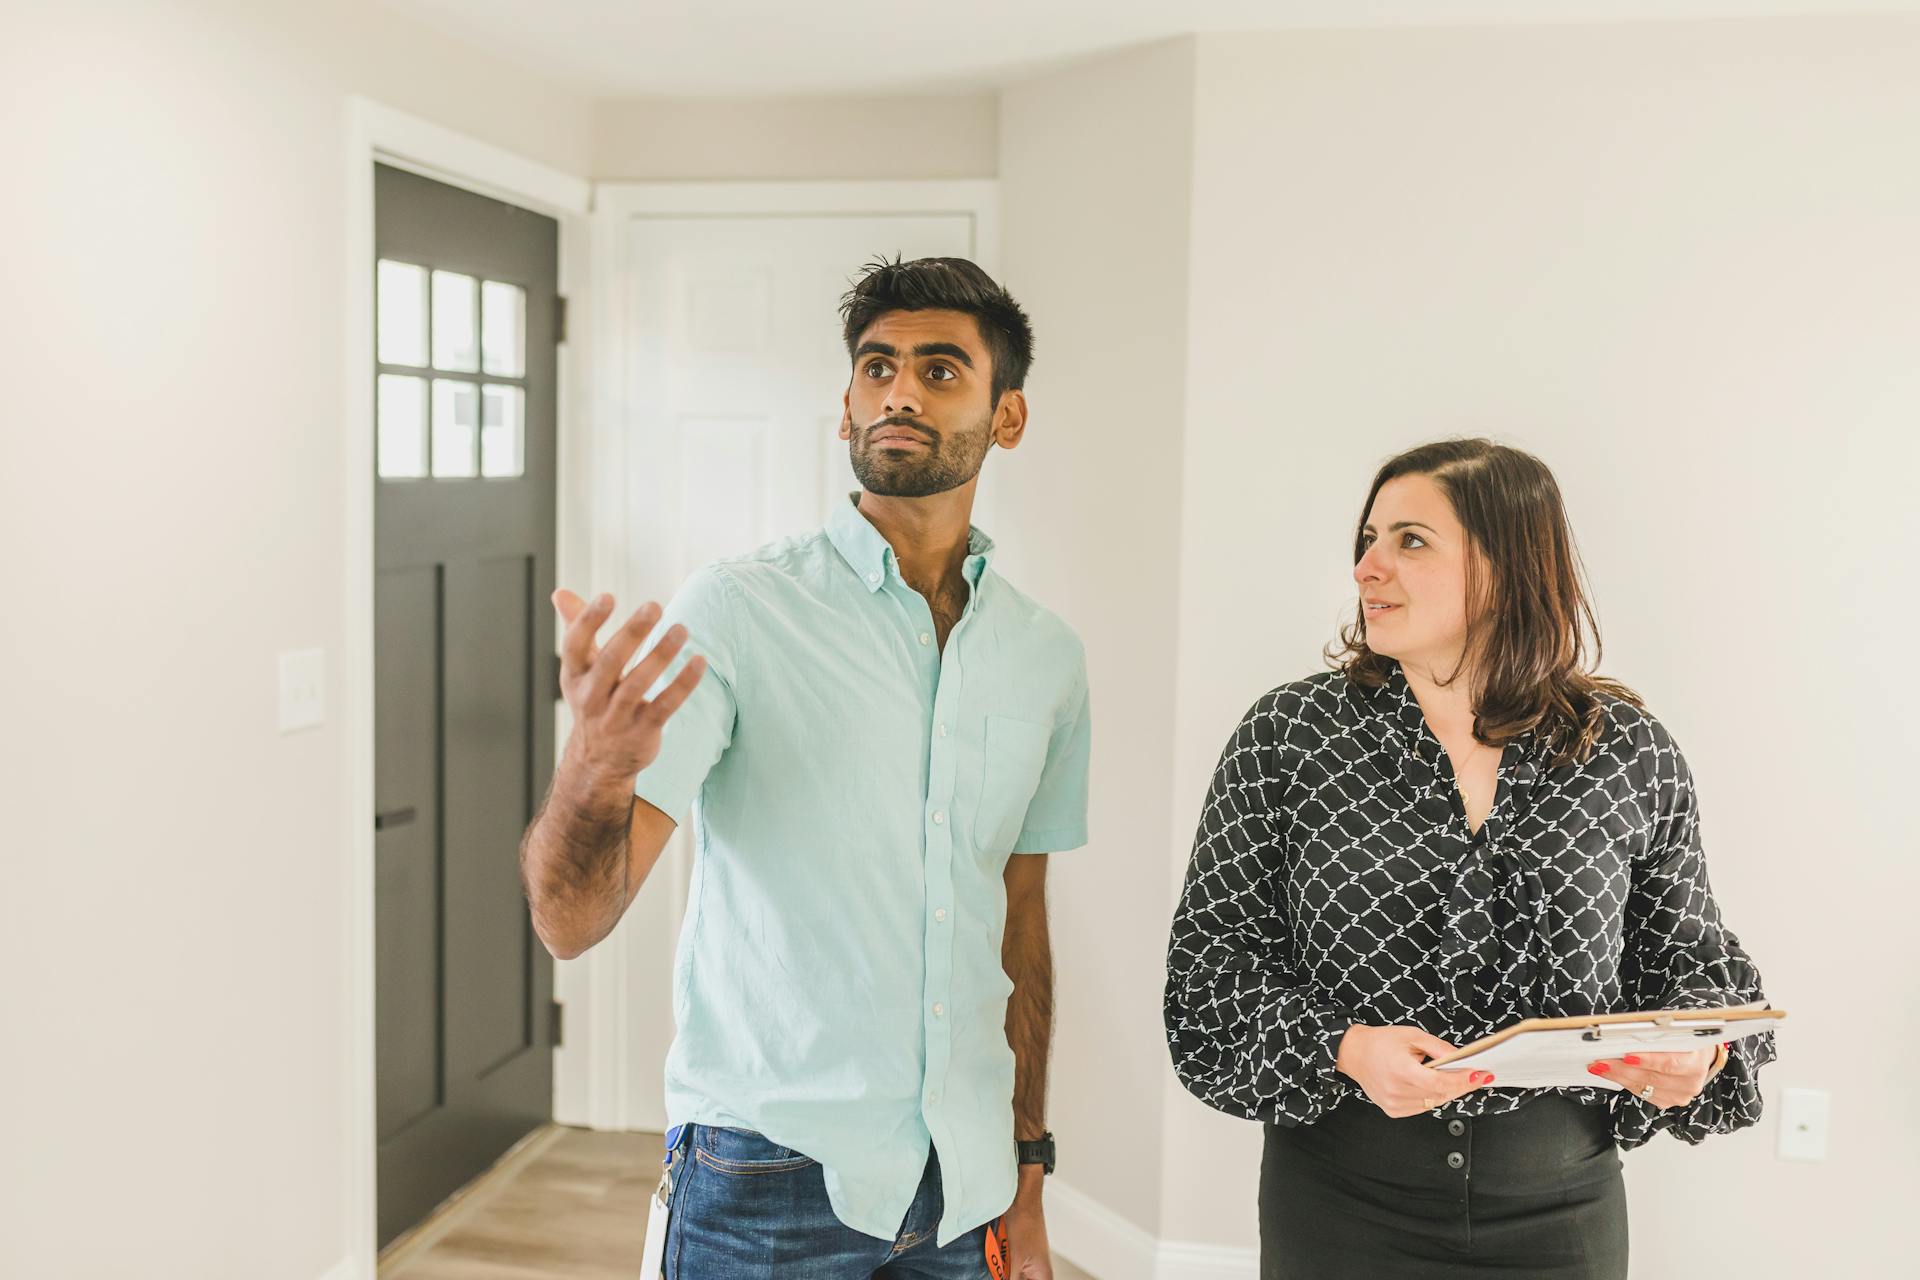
point(744, 1208)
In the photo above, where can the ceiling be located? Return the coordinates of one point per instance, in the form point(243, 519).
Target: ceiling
point(631, 48)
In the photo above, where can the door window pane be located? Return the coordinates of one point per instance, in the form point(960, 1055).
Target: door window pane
point(455, 410)
point(503, 329)
point(456, 322)
point(402, 430)
point(503, 414)
point(402, 313)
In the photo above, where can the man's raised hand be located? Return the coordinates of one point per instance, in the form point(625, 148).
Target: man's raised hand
point(616, 727)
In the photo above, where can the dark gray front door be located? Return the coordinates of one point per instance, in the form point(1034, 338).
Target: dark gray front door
point(465, 290)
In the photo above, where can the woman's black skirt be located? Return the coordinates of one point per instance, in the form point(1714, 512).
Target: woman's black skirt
point(1536, 1192)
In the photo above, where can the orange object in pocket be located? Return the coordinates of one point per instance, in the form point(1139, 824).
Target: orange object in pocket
point(997, 1249)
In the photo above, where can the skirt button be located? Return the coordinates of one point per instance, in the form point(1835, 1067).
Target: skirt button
point(1455, 1160)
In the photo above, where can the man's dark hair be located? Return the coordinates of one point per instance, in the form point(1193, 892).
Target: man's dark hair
point(945, 284)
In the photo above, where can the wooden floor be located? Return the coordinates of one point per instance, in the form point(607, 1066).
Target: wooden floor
point(566, 1204)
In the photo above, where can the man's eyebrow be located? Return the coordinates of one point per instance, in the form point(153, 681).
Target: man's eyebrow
point(887, 349)
point(944, 349)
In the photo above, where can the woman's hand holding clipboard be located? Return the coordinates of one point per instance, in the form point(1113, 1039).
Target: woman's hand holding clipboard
point(1556, 1053)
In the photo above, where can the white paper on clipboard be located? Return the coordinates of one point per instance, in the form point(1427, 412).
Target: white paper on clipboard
point(653, 1260)
point(1554, 1053)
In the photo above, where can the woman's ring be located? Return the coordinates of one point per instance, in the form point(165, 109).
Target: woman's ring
point(1646, 1094)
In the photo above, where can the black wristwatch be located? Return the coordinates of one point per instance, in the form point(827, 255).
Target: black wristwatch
point(1040, 1152)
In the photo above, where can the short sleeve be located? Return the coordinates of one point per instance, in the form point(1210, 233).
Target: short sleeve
point(1057, 815)
point(698, 734)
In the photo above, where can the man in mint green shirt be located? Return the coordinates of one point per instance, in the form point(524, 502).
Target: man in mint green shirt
point(879, 739)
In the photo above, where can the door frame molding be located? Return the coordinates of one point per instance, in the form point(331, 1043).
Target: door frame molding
point(377, 132)
point(594, 1076)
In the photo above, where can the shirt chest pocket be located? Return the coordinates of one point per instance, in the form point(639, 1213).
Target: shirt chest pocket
point(1015, 753)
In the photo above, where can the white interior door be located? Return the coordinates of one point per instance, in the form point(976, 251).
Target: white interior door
point(727, 352)
point(735, 368)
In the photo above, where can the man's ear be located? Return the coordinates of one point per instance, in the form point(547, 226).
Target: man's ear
point(1010, 419)
point(846, 413)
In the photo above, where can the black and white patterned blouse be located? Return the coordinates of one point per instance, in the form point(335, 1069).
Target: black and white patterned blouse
point(1334, 881)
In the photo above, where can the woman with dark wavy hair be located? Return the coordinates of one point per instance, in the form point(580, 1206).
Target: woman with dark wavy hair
point(1458, 827)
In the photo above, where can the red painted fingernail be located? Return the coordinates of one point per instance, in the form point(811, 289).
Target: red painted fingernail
point(1726, 1044)
point(1631, 1059)
point(1489, 1077)
point(1599, 1069)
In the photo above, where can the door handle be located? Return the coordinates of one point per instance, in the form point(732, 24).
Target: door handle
point(393, 818)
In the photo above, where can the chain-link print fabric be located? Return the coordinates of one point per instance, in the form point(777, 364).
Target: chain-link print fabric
point(1334, 881)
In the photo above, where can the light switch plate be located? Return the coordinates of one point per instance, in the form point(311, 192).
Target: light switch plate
point(1803, 1123)
point(303, 689)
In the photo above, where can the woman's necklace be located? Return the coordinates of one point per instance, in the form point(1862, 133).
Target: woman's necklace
point(1460, 774)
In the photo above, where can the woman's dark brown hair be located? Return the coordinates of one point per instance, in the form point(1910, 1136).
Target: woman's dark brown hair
point(1528, 636)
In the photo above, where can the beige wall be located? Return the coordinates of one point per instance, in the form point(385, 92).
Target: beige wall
point(1094, 168)
point(172, 507)
point(668, 139)
point(1679, 262)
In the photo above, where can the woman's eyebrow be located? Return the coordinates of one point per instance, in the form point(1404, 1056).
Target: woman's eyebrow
point(1398, 525)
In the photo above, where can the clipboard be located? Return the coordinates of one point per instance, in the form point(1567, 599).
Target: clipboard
point(1553, 1053)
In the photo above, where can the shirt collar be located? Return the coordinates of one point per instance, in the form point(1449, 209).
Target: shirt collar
point(870, 556)
point(1396, 701)
point(1408, 740)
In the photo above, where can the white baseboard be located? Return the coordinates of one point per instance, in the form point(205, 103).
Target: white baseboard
point(1206, 1262)
point(1101, 1242)
point(345, 1269)
point(1095, 1238)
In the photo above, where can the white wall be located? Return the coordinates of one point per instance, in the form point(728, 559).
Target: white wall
point(172, 507)
point(1094, 167)
point(1676, 260)
point(886, 137)
point(1679, 262)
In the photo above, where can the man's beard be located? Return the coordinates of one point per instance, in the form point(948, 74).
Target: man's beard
point(945, 464)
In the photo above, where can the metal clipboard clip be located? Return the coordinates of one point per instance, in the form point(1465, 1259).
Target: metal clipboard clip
point(1661, 1024)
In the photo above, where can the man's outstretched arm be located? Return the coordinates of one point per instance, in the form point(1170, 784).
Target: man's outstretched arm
point(586, 853)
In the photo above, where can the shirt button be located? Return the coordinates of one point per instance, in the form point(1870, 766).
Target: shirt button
point(925, 638)
point(940, 914)
point(939, 1010)
point(873, 577)
point(939, 816)
point(1455, 1160)
point(943, 729)
point(1456, 1127)
point(933, 1097)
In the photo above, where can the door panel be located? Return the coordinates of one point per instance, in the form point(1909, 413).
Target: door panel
point(406, 844)
point(489, 680)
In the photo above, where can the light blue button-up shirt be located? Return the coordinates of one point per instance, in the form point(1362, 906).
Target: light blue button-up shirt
point(838, 986)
